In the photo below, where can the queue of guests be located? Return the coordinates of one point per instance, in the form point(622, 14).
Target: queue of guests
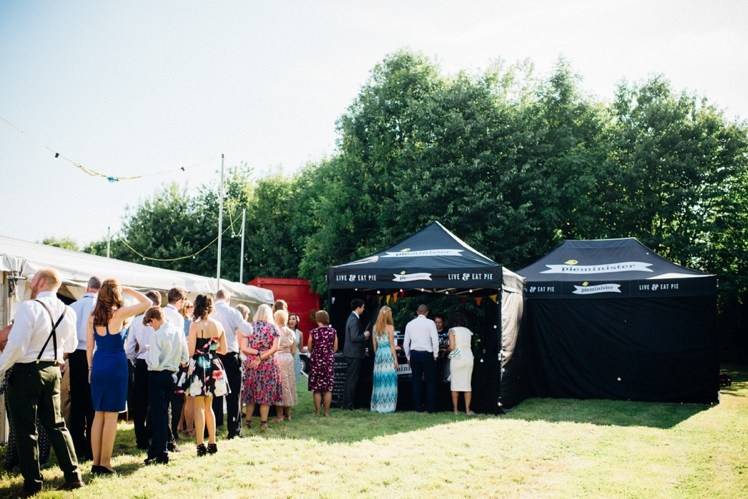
point(183, 360)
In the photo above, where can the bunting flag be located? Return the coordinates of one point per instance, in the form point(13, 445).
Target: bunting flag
point(495, 298)
point(387, 299)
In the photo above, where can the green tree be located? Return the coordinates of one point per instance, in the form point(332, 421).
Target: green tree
point(67, 243)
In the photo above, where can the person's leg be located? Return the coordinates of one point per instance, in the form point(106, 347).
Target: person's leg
point(50, 416)
point(353, 370)
point(177, 406)
point(200, 404)
point(158, 401)
point(189, 415)
point(455, 401)
point(97, 431)
point(416, 366)
point(429, 375)
point(24, 388)
point(78, 373)
point(250, 412)
point(264, 410)
point(317, 402)
point(140, 404)
point(327, 401)
point(468, 400)
point(233, 405)
point(218, 410)
point(108, 435)
point(210, 420)
point(279, 413)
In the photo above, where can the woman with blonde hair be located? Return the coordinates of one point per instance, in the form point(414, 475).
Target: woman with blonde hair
point(284, 359)
point(261, 383)
point(108, 366)
point(384, 390)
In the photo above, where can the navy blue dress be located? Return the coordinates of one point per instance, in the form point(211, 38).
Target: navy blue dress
point(109, 373)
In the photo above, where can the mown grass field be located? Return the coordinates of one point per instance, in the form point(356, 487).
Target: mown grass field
point(544, 447)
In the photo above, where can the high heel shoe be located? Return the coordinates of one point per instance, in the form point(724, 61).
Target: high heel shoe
point(212, 448)
point(201, 450)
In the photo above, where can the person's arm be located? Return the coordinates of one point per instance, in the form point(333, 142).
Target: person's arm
point(335, 343)
point(69, 330)
point(184, 356)
point(452, 341)
point(434, 340)
point(131, 342)
point(374, 343)
point(18, 338)
point(154, 350)
point(192, 339)
point(90, 342)
point(268, 354)
point(310, 343)
point(293, 343)
point(391, 334)
point(223, 345)
point(144, 303)
point(355, 333)
point(406, 342)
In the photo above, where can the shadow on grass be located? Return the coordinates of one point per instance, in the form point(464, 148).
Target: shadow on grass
point(739, 385)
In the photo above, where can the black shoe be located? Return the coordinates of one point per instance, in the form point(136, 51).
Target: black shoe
point(212, 448)
point(157, 460)
point(30, 490)
point(101, 470)
point(72, 485)
point(201, 450)
point(172, 447)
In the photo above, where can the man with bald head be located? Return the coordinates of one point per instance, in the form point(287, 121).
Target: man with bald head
point(43, 331)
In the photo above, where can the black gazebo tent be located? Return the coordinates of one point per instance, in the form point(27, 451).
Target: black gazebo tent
point(431, 261)
point(612, 319)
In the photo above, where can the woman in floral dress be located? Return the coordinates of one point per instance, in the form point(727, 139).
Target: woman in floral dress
point(261, 379)
point(206, 377)
point(323, 343)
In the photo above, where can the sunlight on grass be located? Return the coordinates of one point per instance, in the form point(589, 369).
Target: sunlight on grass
point(545, 447)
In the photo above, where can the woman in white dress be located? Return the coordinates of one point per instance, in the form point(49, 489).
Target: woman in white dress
point(460, 363)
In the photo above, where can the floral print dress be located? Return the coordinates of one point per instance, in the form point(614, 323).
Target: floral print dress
point(205, 374)
point(323, 359)
point(262, 384)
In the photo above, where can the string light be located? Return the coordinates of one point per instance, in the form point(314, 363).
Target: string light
point(85, 169)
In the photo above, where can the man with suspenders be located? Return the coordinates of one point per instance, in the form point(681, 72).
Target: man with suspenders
point(43, 331)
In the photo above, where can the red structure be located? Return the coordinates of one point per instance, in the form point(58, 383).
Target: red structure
point(299, 295)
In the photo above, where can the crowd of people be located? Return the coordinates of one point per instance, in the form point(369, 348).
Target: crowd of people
point(187, 367)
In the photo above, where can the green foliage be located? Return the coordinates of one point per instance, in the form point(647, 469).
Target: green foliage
point(512, 163)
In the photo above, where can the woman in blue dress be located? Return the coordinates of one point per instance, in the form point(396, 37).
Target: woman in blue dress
point(108, 371)
point(384, 391)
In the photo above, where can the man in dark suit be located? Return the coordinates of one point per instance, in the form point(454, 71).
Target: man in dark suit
point(353, 351)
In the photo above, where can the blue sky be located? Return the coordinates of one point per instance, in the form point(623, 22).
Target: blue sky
point(135, 87)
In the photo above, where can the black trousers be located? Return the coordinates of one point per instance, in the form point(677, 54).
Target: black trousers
point(34, 390)
point(352, 373)
point(140, 404)
point(423, 366)
point(81, 407)
point(160, 390)
point(232, 365)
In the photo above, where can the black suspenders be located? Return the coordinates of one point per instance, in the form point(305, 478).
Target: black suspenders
point(53, 333)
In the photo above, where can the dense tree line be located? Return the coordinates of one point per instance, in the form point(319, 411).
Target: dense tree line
point(511, 162)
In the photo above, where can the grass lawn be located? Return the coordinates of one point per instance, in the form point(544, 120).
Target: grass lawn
point(544, 447)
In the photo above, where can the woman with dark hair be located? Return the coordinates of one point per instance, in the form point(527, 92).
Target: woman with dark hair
point(460, 362)
point(206, 377)
point(323, 343)
point(108, 371)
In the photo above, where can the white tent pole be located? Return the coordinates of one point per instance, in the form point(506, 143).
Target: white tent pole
point(220, 228)
point(108, 240)
point(241, 251)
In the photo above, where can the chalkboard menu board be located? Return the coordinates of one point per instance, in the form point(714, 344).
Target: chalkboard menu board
point(339, 380)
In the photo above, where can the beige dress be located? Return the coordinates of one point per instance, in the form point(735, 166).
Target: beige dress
point(284, 359)
point(461, 361)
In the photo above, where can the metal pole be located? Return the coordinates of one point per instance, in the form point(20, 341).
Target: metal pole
point(108, 241)
point(241, 251)
point(220, 228)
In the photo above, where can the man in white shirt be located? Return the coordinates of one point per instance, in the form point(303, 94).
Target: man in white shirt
point(235, 327)
point(421, 345)
point(44, 330)
point(174, 317)
point(136, 349)
point(167, 350)
point(81, 407)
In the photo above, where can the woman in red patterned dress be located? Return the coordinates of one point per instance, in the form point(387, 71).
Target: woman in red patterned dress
point(262, 383)
point(323, 343)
